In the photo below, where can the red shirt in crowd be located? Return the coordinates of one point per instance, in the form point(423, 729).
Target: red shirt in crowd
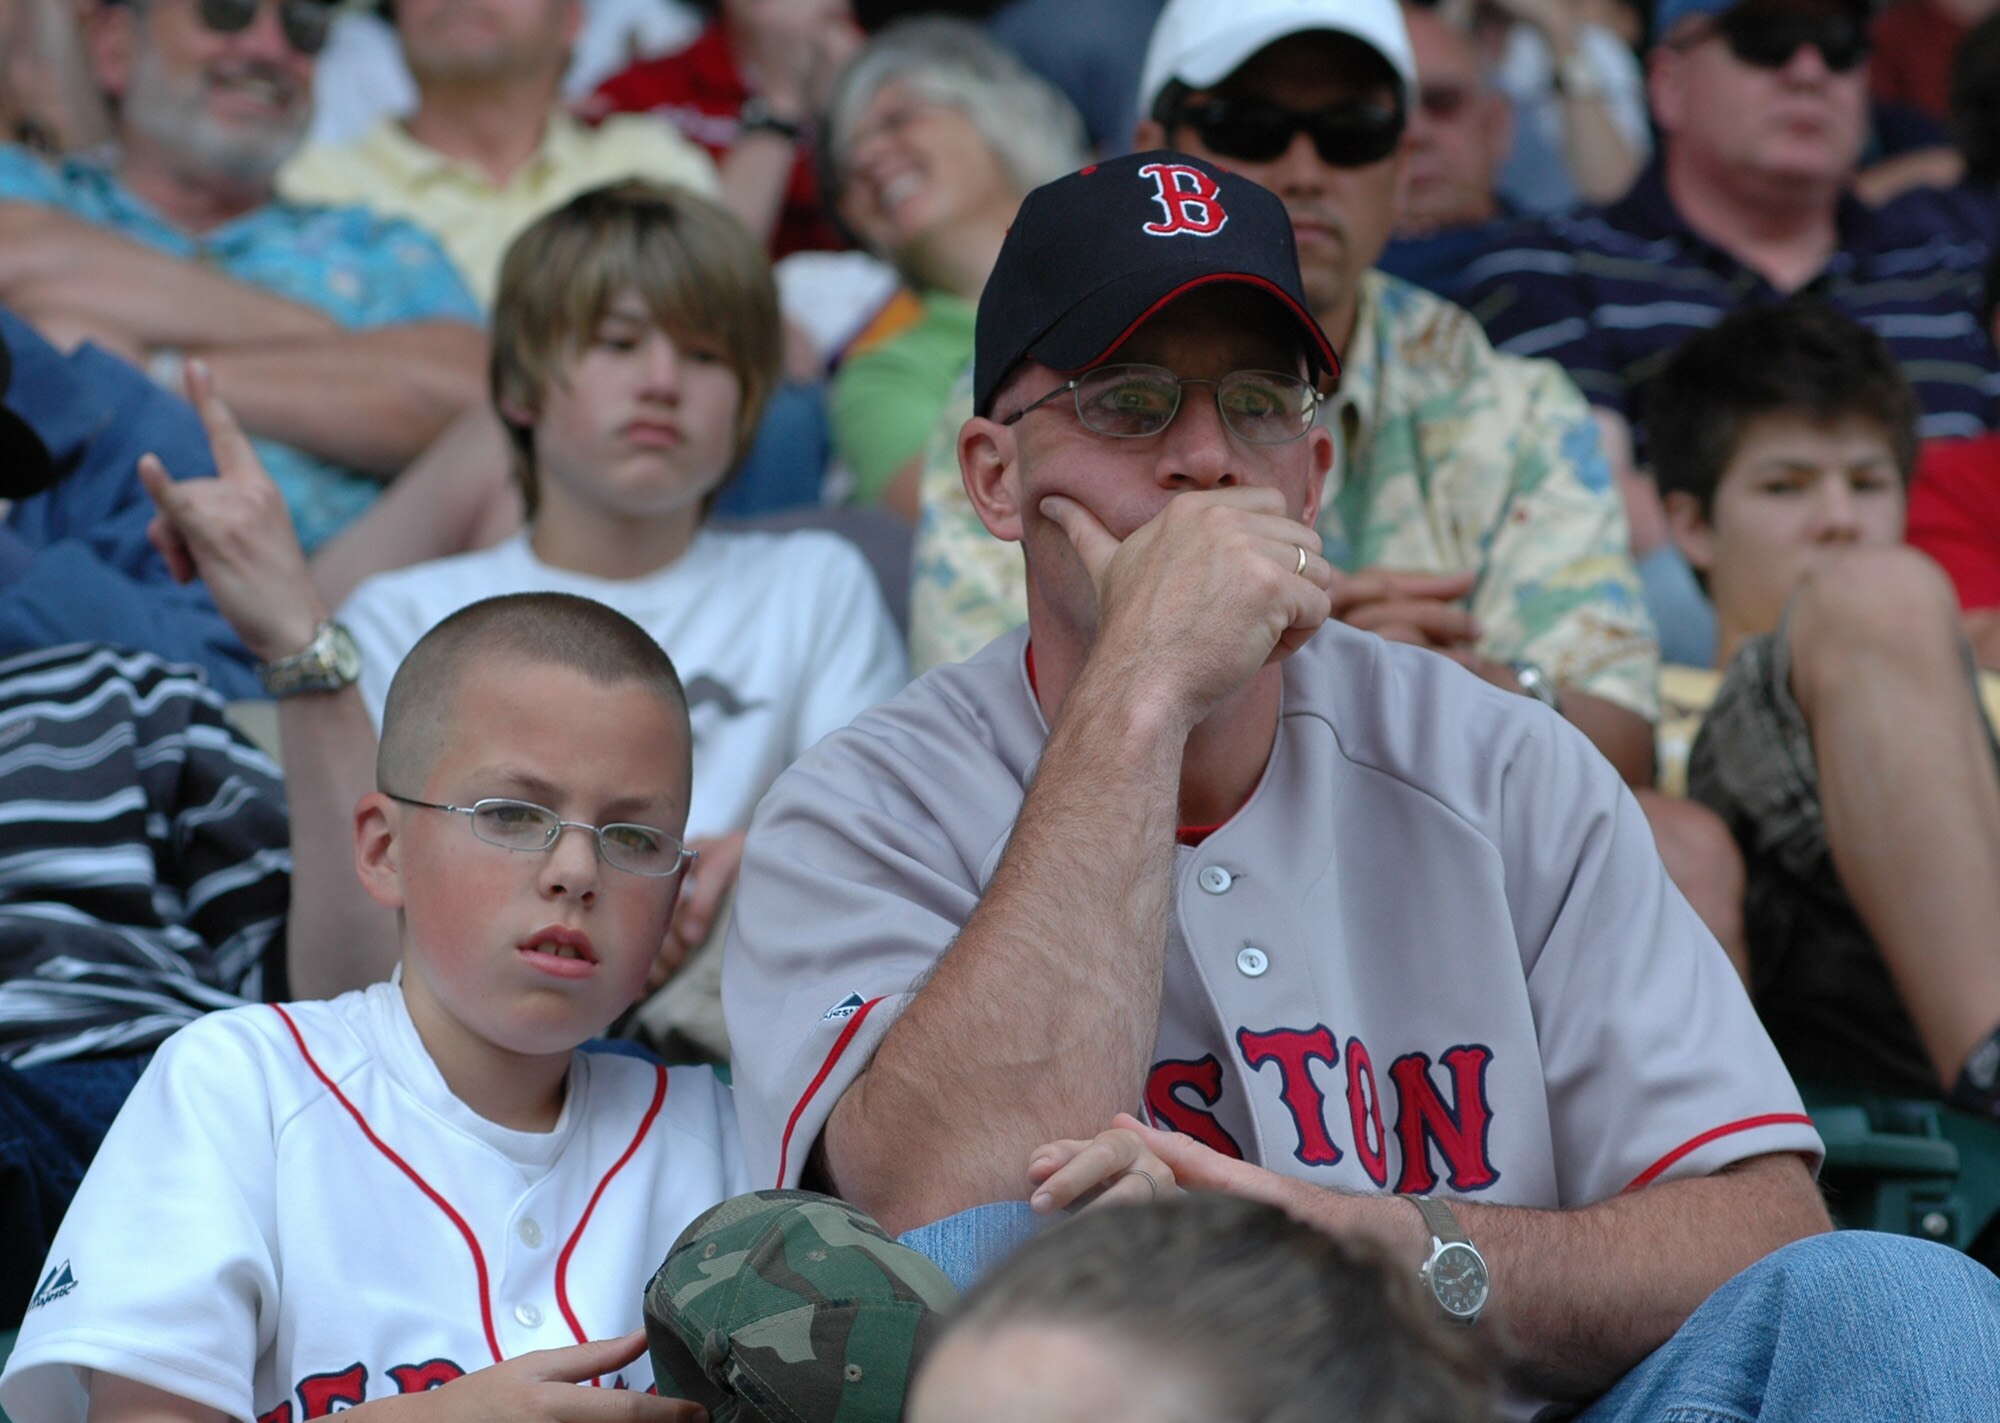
point(1915, 42)
point(701, 91)
point(1955, 515)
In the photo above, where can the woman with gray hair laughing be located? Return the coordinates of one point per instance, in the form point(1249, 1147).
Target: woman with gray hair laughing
point(931, 137)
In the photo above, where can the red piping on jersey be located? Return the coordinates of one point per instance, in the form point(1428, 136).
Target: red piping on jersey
point(471, 1241)
point(569, 1248)
point(825, 1069)
point(1773, 1119)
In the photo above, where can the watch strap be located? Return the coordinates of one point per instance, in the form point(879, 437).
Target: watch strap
point(317, 667)
point(757, 116)
point(1441, 1219)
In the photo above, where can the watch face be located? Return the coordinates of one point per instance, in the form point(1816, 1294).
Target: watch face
point(346, 656)
point(1458, 1279)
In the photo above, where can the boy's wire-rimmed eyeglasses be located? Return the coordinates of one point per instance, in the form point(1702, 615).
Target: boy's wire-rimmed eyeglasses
point(522, 825)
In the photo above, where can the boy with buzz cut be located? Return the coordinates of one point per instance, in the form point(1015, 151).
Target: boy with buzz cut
point(425, 1195)
point(1843, 744)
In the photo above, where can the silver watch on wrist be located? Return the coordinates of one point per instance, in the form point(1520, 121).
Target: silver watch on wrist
point(1455, 1273)
point(1537, 684)
point(326, 664)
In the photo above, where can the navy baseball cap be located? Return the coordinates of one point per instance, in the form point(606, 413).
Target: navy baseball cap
point(1092, 256)
point(1668, 13)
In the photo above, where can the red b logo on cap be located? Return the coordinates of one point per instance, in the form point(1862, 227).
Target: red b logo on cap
point(1188, 198)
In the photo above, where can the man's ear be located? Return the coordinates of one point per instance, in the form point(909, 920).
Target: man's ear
point(988, 462)
point(1321, 442)
point(1499, 133)
point(1147, 135)
point(1666, 74)
point(1692, 533)
point(111, 36)
point(378, 849)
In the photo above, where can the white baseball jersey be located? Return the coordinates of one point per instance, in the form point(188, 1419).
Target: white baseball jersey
point(1435, 951)
point(293, 1214)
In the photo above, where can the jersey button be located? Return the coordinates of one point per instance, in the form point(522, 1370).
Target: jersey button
point(530, 1317)
point(1215, 879)
point(1253, 962)
point(530, 1233)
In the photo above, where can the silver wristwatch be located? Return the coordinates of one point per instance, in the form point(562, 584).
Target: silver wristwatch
point(1537, 684)
point(1455, 1273)
point(326, 664)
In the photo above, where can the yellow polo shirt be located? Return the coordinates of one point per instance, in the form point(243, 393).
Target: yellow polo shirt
point(474, 218)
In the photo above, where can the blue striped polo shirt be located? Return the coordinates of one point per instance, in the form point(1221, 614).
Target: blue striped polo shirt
point(1610, 292)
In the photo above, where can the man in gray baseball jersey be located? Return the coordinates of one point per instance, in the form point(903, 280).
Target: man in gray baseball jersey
point(1352, 922)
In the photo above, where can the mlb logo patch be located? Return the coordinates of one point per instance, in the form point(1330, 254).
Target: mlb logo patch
point(844, 1009)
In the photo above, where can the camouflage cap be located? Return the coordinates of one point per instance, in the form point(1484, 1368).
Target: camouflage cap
point(792, 1307)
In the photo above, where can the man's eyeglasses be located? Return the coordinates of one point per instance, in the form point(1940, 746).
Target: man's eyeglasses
point(1767, 39)
point(1347, 135)
point(523, 825)
point(306, 23)
point(1132, 402)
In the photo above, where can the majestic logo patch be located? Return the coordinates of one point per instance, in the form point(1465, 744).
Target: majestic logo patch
point(57, 1283)
point(1188, 198)
point(845, 1008)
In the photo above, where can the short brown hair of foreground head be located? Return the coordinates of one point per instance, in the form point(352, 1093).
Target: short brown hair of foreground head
point(1263, 1316)
point(700, 274)
point(525, 630)
point(1796, 357)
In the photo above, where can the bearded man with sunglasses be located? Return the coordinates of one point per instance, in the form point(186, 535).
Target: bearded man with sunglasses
point(345, 342)
point(1763, 110)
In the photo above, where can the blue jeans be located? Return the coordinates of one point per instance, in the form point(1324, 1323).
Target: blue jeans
point(1849, 1326)
point(52, 1120)
point(1852, 1325)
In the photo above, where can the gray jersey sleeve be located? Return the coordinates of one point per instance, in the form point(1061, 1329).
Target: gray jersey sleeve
point(862, 863)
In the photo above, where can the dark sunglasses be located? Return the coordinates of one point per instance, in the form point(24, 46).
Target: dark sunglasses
point(305, 22)
point(1768, 39)
point(1350, 135)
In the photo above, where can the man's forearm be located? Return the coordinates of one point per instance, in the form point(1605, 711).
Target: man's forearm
point(59, 266)
point(1039, 1022)
point(1583, 1295)
point(1622, 735)
point(370, 400)
point(337, 938)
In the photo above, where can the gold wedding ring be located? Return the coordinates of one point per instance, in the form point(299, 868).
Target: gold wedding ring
point(1300, 570)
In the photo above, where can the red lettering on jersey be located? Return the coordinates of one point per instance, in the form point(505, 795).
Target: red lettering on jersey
point(1364, 1111)
point(1188, 198)
point(1168, 1110)
point(321, 1394)
point(1295, 1050)
point(281, 1414)
point(1460, 1133)
point(422, 1378)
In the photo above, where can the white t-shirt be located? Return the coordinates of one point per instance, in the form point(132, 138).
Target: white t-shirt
point(779, 639)
point(293, 1213)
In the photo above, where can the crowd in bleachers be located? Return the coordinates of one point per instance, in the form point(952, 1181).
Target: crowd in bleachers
point(1050, 841)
